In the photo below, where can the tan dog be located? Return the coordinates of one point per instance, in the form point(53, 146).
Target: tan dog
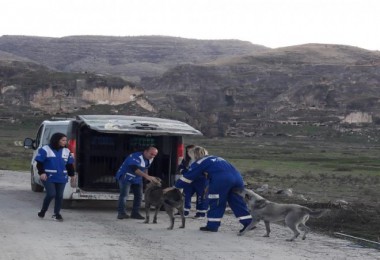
point(262, 209)
point(171, 200)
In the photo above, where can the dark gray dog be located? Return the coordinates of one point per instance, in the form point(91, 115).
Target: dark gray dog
point(171, 200)
point(262, 209)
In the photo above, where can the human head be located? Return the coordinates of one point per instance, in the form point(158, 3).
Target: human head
point(187, 149)
point(197, 153)
point(58, 140)
point(150, 152)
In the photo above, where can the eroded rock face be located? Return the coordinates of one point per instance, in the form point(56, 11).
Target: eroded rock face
point(357, 118)
point(53, 100)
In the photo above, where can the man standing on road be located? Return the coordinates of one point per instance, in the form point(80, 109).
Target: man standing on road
point(130, 175)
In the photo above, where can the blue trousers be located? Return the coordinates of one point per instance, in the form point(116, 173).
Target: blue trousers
point(220, 193)
point(137, 190)
point(197, 187)
point(53, 191)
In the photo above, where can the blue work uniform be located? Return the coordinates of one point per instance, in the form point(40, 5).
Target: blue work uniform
point(198, 187)
point(54, 162)
point(223, 178)
point(125, 172)
point(128, 179)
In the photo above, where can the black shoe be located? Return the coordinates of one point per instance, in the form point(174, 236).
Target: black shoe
point(208, 229)
point(252, 228)
point(57, 217)
point(41, 214)
point(199, 216)
point(137, 216)
point(122, 216)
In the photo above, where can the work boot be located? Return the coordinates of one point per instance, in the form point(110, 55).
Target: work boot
point(41, 214)
point(244, 228)
point(122, 216)
point(136, 216)
point(57, 217)
point(206, 228)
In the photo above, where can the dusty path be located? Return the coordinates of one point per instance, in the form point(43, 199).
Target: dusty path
point(91, 231)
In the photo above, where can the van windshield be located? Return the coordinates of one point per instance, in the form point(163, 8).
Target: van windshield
point(52, 129)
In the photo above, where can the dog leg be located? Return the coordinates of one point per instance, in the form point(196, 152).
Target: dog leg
point(147, 209)
point(155, 214)
point(170, 212)
point(267, 227)
point(249, 227)
point(180, 210)
point(295, 230)
point(306, 230)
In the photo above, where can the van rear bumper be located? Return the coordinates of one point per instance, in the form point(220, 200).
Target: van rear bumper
point(92, 195)
point(85, 195)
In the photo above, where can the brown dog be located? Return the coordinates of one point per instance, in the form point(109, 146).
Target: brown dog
point(171, 200)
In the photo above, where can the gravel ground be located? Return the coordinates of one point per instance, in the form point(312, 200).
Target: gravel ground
point(91, 231)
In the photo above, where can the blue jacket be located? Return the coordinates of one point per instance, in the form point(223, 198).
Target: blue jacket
point(54, 162)
point(215, 168)
point(125, 172)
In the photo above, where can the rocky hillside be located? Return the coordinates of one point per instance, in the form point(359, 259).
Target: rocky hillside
point(224, 88)
point(314, 85)
point(129, 57)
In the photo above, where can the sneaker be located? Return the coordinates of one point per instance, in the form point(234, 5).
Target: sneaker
point(41, 214)
point(208, 229)
point(57, 217)
point(136, 216)
point(122, 216)
point(252, 228)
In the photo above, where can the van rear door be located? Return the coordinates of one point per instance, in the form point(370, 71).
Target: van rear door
point(101, 143)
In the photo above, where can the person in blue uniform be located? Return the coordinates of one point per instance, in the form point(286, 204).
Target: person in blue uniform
point(223, 179)
point(129, 176)
point(198, 187)
point(54, 165)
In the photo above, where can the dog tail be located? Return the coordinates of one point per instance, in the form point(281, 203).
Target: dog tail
point(316, 213)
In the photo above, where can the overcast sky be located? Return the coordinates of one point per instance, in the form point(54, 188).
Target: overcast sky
point(272, 23)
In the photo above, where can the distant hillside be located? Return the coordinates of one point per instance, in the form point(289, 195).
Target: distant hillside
point(129, 57)
point(309, 84)
point(224, 88)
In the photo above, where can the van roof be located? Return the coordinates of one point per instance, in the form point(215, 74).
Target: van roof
point(137, 125)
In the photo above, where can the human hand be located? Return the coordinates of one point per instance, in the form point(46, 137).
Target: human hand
point(43, 177)
point(152, 179)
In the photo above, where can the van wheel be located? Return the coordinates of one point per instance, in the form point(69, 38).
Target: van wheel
point(35, 187)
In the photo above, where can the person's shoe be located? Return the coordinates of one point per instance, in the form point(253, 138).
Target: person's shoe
point(136, 216)
point(122, 216)
point(245, 227)
point(41, 214)
point(57, 217)
point(199, 216)
point(208, 229)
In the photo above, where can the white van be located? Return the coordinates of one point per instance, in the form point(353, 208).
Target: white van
point(100, 144)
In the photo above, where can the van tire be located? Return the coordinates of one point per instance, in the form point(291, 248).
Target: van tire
point(35, 187)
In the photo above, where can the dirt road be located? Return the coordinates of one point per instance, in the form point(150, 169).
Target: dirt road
point(91, 231)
